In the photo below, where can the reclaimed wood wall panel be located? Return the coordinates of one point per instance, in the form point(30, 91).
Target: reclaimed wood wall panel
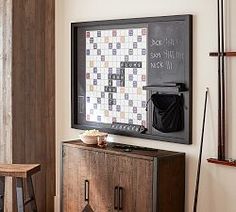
point(34, 93)
point(6, 91)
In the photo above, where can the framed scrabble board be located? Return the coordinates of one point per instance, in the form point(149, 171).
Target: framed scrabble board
point(116, 67)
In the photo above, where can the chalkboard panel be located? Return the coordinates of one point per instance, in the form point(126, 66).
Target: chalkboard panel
point(168, 50)
point(153, 54)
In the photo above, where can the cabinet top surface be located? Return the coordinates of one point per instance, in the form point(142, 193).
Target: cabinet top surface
point(129, 150)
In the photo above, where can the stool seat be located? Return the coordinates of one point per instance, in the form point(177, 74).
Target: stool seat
point(19, 170)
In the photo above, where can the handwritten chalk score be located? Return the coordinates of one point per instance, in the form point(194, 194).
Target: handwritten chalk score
point(168, 52)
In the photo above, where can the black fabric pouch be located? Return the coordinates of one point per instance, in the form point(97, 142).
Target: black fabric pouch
point(168, 112)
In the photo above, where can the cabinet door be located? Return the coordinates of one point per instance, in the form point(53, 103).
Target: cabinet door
point(76, 169)
point(136, 183)
point(99, 169)
point(104, 178)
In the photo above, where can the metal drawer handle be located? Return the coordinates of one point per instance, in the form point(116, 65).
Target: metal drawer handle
point(116, 198)
point(120, 198)
point(86, 190)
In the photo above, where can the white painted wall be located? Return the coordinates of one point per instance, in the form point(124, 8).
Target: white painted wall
point(218, 183)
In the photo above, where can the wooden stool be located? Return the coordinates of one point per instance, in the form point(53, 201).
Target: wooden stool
point(19, 172)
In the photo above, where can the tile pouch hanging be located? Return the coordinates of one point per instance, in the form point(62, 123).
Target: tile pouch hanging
point(168, 112)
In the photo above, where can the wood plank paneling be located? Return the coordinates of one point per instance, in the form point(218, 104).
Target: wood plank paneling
point(34, 93)
point(6, 91)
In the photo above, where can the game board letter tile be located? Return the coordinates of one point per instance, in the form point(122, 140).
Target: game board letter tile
point(106, 64)
point(102, 95)
point(95, 46)
point(131, 121)
point(114, 76)
point(95, 82)
point(91, 88)
point(102, 57)
point(114, 52)
point(122, 64)
point(139, 64)
point(91, 40)
point(87, 75)
point(139, 116)
point(99, 33)
point(143, 77)
point(88, 99)
point(110, 82)
point(139, 91)
point(135, 45)
point(106, 39)
point(99, 52)
point(117, 83)
point(144, 31)
point(118, 45)
point(130, 51)
point(144, 104)
point(110, 45)
point(113, 101)
point(130, 77)
point(87, 34)
point(122, 71)
point(122, 115)
point(95, 106)
point(109, 107)
point(131, 32)
point(122, 39)
point(106, 113)
point(139, 38)
point(114, 33)
point(99, 100)
point(135, 84)
point(131, 103)
point(99, 76)
point(95, 70)
point(91, 111)
point(118, 108)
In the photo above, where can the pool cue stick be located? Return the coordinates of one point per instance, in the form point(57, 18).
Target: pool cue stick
point(219, 85)
point(223, 79)
point(200, 154)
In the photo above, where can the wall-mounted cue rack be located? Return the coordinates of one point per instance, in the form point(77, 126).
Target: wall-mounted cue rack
point(221, 54)
point(133, 77)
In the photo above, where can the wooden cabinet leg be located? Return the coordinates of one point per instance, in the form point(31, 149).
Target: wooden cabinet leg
point(31, 194)
point(20, 194)
point(2, 190)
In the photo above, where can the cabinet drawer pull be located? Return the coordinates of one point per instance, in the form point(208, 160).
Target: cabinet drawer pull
point(116, 198)
point(120, 198)
point(86, 190)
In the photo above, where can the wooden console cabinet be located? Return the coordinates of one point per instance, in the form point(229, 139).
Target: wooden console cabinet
point(117, 179)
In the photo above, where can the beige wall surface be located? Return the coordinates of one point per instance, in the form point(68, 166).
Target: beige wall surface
point(218, 183)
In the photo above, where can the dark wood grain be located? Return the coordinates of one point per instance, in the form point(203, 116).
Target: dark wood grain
point(19, 170)
point(34, 93)
point(222, 162)
point(227, 54)
point(151, 180)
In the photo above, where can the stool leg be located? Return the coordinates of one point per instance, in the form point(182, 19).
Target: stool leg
point(20, 194)
point(31, 194)
point(2, 190)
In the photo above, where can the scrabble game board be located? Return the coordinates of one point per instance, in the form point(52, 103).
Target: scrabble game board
point(115, 74)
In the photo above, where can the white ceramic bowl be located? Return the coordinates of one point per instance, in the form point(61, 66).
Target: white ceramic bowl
point(92, 139)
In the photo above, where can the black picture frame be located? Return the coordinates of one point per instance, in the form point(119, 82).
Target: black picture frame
point(78, 81)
